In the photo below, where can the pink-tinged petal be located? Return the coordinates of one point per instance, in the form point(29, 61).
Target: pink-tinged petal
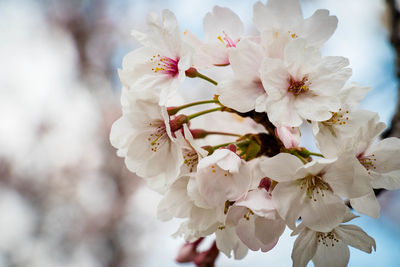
point(220, 22)
point(290, 136)
point(227, 241)
point(318, 28)
point(355, 237)
point(281, 168)
point(245, 230)
point(289, 201)
point(304, 248)
point(324, 213)
point(283, 111)
point(332, 256)
point(367, 205)
point(240, 95)
point(280, 14)
point(260, 202)
point(268, 231)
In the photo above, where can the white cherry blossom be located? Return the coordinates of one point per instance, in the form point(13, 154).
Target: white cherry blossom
point(303, 85)
point(280, 21)
point(222, 176)
point(244, 91)
point(313, 191)
point(332, 133)
point(157, 69)
point(256, 221)
point(143, 137)
point(223, 30)
point(330, 248)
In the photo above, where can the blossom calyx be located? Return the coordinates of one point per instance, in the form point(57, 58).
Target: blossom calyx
point(178, 122)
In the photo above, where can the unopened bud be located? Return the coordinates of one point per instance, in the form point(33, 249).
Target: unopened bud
point(191, 73)
point(265, 183)
point(178, 122)
point(188, 251)
point(198, 133)
point(208, 257)
point(290, 136)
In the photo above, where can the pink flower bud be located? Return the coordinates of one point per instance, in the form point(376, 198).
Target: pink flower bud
point(290, 136)
point(208, 257)
point(188, 251)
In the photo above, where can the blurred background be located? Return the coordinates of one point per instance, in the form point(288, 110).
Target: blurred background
point(65, 198)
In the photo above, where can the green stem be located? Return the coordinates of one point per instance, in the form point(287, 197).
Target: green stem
point(203, 112)
point(316, 154)
point(223, 133)
point(299, 156)
point(204, 77)
point(221, 145)
point(174, 110)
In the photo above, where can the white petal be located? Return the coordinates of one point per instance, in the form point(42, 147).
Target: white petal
point(300, 59)
point(289, 201)
point(386, 153)
point(268, 231)
point(222, 20)
point(324, 214)
point(367, 205)
point(280, 14)
point(332, 256)
point(316, 108)
point(246, 60)
point(281, 167)
point(304, 248)
point(283, 112)
point(176, 203)
point(355, 237)
point(274, 77)
point(353, 94)
point(227, 241)
point(319, 27)
point(241, 95)
point(347, 177)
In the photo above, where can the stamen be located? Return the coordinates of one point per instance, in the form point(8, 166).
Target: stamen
point(367, 162)
point(314, 185)
point(190, 158)
point(158, 137)
point(338, 118)
point(227, 39)
point(327, 239)
point(248, 213)
point(165, 65)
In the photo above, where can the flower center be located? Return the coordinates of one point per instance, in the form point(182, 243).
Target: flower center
point(327, 239)
point(298, 87)
point(338, 118)
point(227, 41)
point(367, 162)
point(165, 65)
point(314, 185)
point(158, 137)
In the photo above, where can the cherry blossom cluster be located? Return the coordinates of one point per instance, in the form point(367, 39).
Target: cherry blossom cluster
point(246, 189)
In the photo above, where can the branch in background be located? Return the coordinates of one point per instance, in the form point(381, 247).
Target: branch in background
point(394, 129)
